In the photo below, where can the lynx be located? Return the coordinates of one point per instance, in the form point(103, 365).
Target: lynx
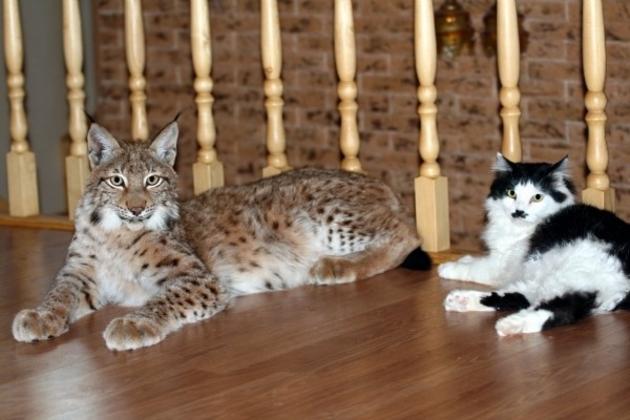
point(136, 245)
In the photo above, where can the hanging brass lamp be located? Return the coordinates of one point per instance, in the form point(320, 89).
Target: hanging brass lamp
point(453, 29)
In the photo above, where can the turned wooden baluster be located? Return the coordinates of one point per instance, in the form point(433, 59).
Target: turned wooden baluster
point(345, 59)
point(207, 171)
point(272, 66)
point(21, 166)
point(508, 60)
point(431, 189)
point(134, 34)
point(77, 169)
point(598, 191)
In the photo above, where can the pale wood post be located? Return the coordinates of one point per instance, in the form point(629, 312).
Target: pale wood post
point(508, 55)
point(272, 66)
point(77, 169)
point(345, 59)
point(134, 34)
point(21, 166)
point(431, 188)
point(208, 170)
point(598, 191)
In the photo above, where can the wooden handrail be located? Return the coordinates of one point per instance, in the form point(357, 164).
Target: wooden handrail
point(508, 54)
point(21, 165)
point(598, 191)
point(207, 170)
point(134, 37)
point(77, 169)
point(345, 60)
point(272, 67)
point(431, 189)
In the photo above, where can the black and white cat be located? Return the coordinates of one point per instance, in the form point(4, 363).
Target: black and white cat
point(551, 260)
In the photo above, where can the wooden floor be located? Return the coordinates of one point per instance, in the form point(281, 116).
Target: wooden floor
point(379, 349)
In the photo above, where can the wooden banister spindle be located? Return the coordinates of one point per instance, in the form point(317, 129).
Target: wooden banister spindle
point(21, 166)
point(134, 43)
point(272, 66)
point(431, 189)
point(207, 171)
point(77, 170)
point(508, 55)
point(598, 191)
point(345, 59)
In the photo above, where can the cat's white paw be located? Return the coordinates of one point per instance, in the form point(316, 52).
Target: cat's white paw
point(131, 332)
point(32, 325)
point(454, 270)
point(465, 301)
point(610, 303)
point(523, 322)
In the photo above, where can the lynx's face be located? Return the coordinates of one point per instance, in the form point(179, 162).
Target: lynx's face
point(133, 184)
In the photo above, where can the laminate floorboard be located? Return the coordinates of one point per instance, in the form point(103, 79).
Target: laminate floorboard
point(378, 349)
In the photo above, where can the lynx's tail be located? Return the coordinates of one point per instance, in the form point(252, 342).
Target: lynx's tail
point(417, 260)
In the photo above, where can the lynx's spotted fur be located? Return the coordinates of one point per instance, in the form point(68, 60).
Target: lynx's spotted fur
point(136, 245)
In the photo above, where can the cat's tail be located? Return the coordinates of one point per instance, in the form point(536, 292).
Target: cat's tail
point(417, 260)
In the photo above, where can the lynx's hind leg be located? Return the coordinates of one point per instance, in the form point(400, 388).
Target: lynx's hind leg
point(383, 253)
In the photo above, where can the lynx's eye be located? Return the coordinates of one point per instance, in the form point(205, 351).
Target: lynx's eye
point(511, 194)
point(537, 198)
point(153, 180)
point(116, 181)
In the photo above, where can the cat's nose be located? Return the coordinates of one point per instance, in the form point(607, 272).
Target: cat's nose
point(136, 210)
point(519, 214)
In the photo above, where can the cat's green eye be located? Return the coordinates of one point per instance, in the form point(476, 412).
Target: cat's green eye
point(511, 193)
point(153, 180)
point(116, 181)
point(537, 198)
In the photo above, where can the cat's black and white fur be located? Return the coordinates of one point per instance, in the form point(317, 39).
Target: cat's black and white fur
point(551, 260)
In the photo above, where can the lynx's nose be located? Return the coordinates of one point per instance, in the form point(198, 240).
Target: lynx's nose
point(136, 210)
point(519, 214)
point(136, 205)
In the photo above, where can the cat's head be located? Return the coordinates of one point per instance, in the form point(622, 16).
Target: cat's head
point(527, 193)
point(133, 184)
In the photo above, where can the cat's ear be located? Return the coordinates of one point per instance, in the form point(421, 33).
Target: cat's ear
point(101, 145)
point(560, 168)
point(502, 164)
point(560, 171)
point(165, 144)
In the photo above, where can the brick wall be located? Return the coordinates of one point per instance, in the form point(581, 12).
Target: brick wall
point(469, 126)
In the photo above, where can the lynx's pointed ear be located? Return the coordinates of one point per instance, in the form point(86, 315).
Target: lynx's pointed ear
point(502, 164)
point(101, 145)
point(165, 144)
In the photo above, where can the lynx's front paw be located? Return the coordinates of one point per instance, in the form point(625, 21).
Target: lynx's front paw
point(31, 325)
point(131, 332)
point(330, 270)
